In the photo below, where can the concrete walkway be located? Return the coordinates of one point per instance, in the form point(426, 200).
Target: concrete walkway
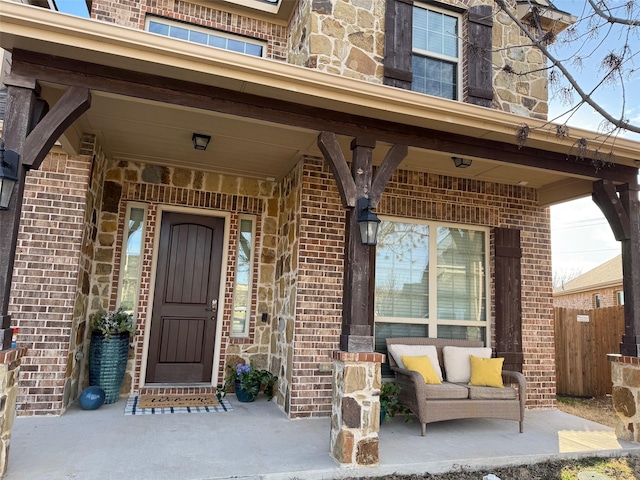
point(257, 441)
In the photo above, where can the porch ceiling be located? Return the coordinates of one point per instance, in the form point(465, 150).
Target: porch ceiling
point(263, 115)
point(158, 133)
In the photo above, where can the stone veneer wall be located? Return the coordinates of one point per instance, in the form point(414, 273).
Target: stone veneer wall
point(625, 396)
point(49, 288)
point(420, 196)
point(525, 95)
point(585, 300)
point(159, 185)
point(286, 282)
point(346, 37)
point(9, 373)
point(133, 14)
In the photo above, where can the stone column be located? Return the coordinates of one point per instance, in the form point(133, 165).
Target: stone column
point(9, 370)
point(355, 413)
point(625, 376)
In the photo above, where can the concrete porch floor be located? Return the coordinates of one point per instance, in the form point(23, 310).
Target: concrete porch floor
point(257, 441)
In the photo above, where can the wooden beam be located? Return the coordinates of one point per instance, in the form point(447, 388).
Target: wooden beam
point(66, 71)
point(391, 161)
point(606, 197)
point(332, 153)
point(74, 102)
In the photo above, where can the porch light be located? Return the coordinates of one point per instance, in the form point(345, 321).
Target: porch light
point(460, 162)
point(368, 222)
point(8, 175)
point(200, 141)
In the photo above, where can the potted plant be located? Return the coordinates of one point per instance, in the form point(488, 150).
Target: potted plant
point(248, 380)
point(109, 350)
point(390, 404)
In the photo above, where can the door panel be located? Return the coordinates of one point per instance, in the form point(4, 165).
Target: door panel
point(183, 322)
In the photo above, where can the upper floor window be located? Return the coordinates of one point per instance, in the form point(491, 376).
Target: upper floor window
point(424, 50)
point(204, 36)
point(436, 53)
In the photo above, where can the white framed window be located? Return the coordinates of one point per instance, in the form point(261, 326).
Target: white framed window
point(620, 297)
point(437, 46)
point(596, 300)
point(244, 275)
point(131, 256)
point(431, 281)
point(206, 36)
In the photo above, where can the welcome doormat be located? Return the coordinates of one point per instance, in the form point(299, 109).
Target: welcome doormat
point(161, 404)
point(164, 401)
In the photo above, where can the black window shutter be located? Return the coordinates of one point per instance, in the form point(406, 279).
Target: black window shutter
point(479, 46)
point(508, 297)
point(398, 43)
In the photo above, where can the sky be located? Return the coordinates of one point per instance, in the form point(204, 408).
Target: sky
point(580, 235)
point(74, 7)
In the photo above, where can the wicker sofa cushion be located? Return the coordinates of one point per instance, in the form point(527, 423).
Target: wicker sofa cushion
point(457, 361)
point(401, 350)
point(446, 391)
point(492, 393)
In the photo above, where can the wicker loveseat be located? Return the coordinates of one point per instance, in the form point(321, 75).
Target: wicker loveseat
point(446, 401)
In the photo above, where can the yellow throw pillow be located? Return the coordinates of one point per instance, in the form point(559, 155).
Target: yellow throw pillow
point(486, 372)
point(423, 366)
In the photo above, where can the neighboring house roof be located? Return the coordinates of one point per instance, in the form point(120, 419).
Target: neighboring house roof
point(606, 274)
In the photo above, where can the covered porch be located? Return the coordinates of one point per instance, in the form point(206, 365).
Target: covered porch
point(257, 441)
point(129, 102)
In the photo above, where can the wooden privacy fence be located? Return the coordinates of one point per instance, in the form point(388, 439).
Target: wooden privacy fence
point(583, 339)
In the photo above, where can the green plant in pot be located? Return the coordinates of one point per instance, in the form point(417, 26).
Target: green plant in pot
point(111, 333)
point(390, 403)
point(248, 381)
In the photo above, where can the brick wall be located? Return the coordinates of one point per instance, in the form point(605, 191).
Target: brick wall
point(48, 290)
point(286, 281)
point(133, 14)
point(421, 196)
point(586, 300)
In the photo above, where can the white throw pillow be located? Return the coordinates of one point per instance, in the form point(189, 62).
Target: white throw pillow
point(398, 350)
point(457, 361)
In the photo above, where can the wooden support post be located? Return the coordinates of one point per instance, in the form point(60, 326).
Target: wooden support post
point(30, 129)
point(21, 101)
point(359, 266)
point(357, 327)
point(630, 345)
point(621, 211)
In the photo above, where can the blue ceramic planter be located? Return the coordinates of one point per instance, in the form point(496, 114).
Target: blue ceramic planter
point(108, 362)
point(241, 394)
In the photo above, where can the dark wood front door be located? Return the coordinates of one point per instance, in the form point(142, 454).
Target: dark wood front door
point(183, 320)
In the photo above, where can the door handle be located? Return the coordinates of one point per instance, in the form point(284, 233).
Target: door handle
point(214, 306)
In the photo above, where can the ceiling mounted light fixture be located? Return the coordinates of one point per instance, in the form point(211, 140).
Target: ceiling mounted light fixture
point(460, 162)
point(200, 141)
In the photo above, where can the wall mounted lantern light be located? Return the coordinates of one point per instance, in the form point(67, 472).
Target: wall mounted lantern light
point(460, 162)
point(200, 141)
point(368, 222)
point(8, 175)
